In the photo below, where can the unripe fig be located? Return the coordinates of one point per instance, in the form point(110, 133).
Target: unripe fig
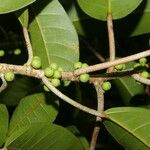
point(46, 88)
point(37, 57)
point(36, 62)
point(54, 66)
point(120, 66)
point(144, 74)
point(106, 86)
point(9, 76)
point(84, 77)
point(55, 82)
point(2, 53)
point(57, 74)
point(84, 65)
point(143, 61)
point(17, 52)
point(77, 65)
point(60, 69)
point(48, 72)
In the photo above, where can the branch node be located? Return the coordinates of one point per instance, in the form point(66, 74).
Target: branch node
point(28, 45)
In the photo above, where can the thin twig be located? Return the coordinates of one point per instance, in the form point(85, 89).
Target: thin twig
point(99, 90)
point(100, 95)
point(138, 78)
point(100, 108)
point(70, 101)
point(111, 39)
point(104, 76)
point(4, 148)
point(106, 65)
point(28, 45)
point(29, 71)
point(4, 83)
point(22, 70)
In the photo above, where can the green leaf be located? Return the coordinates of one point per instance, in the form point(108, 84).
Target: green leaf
point(23, 17)
point(81, 138)
point(77, 17)
point(43, 136)
point(53, 36)
point(21, 85)
point(128, 87)
point(8, 6)
point(99, 8)
point(135, 24)
point(142, 26)
point(130, 127)
point(4, 119)
point(84, 24)
point(33, 109)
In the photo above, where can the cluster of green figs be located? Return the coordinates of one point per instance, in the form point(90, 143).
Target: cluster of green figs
point(54, 72)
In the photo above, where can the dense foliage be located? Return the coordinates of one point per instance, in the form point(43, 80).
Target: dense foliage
point(48, 52)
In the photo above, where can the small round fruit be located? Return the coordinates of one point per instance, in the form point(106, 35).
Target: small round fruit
point(36, 63)
point(55, 82)
point(143, 61)
point(84, 65)
point(84, 77)
point(120, 67)
point(145, 74)
point(54, 66)
point(9, 76)
point(37, 57)
point(60, 69)
point(57, 74)
point(46, 88)
point(106, 86)
point(2, 53)
point(77, 65)
point(48, 72)
point(17, 52)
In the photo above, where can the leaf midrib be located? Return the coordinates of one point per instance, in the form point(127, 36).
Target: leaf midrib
point(28, 113)
point(130, 132)
point(125, 85)
point(40, 28)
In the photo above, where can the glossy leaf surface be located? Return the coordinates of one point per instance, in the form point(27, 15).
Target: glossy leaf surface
point(53, 36)
point(99, 8)
point(130, 126)
point(43, 136)
point(10, 5)
point(23, 17)
point(128, 87)
point(21, 85)
point(4, 119)
point(32, 109)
